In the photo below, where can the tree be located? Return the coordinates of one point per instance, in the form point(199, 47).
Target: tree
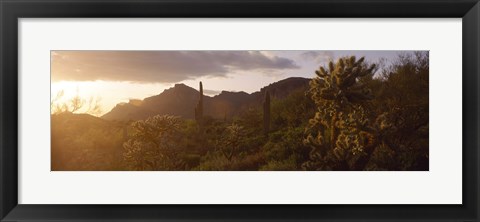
point(154, 144)
point(75, 104)
point(94, 107)
point(402, 106)
point(340, 134)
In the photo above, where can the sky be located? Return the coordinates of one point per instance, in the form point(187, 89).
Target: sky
point(118, 76)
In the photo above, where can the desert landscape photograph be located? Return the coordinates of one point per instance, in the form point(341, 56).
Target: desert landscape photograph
point(265, 110)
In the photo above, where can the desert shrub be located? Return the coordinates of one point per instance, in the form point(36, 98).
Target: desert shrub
point(281, 165)
point(154, 144)
point(216, 161)
point(292, 111)
point(283, 146)
point(213, 161)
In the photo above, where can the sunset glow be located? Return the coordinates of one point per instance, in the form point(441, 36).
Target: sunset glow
point(115, 76)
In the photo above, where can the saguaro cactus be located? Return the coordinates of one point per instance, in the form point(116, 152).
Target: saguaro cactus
point(266, 113)
point(199, 108)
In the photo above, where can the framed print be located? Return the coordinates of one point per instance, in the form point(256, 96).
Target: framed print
point(206, 110)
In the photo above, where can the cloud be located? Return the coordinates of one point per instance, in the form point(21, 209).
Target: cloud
point(159, 66)
point(317, 56)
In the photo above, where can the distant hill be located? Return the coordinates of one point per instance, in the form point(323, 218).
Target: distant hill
point(78, 121)
point(181, 100)
point(85, 142)
point(283, 88)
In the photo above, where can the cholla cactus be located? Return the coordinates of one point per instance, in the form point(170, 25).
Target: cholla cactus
point(340, 128)
point(231, 141)
point(153, 144)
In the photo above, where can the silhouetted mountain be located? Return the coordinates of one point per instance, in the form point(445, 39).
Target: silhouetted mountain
point(85, 142)
point(181, 99)
point(283, 88)
point(78, 121)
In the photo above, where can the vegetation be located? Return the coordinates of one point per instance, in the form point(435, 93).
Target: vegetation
point(75, 104)
point(354, 115)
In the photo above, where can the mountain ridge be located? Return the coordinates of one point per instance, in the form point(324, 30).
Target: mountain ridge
point(180, 100)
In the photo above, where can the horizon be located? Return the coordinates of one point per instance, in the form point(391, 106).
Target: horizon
point(108, 74)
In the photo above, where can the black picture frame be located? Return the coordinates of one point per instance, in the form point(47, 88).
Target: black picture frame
point(12, 10)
